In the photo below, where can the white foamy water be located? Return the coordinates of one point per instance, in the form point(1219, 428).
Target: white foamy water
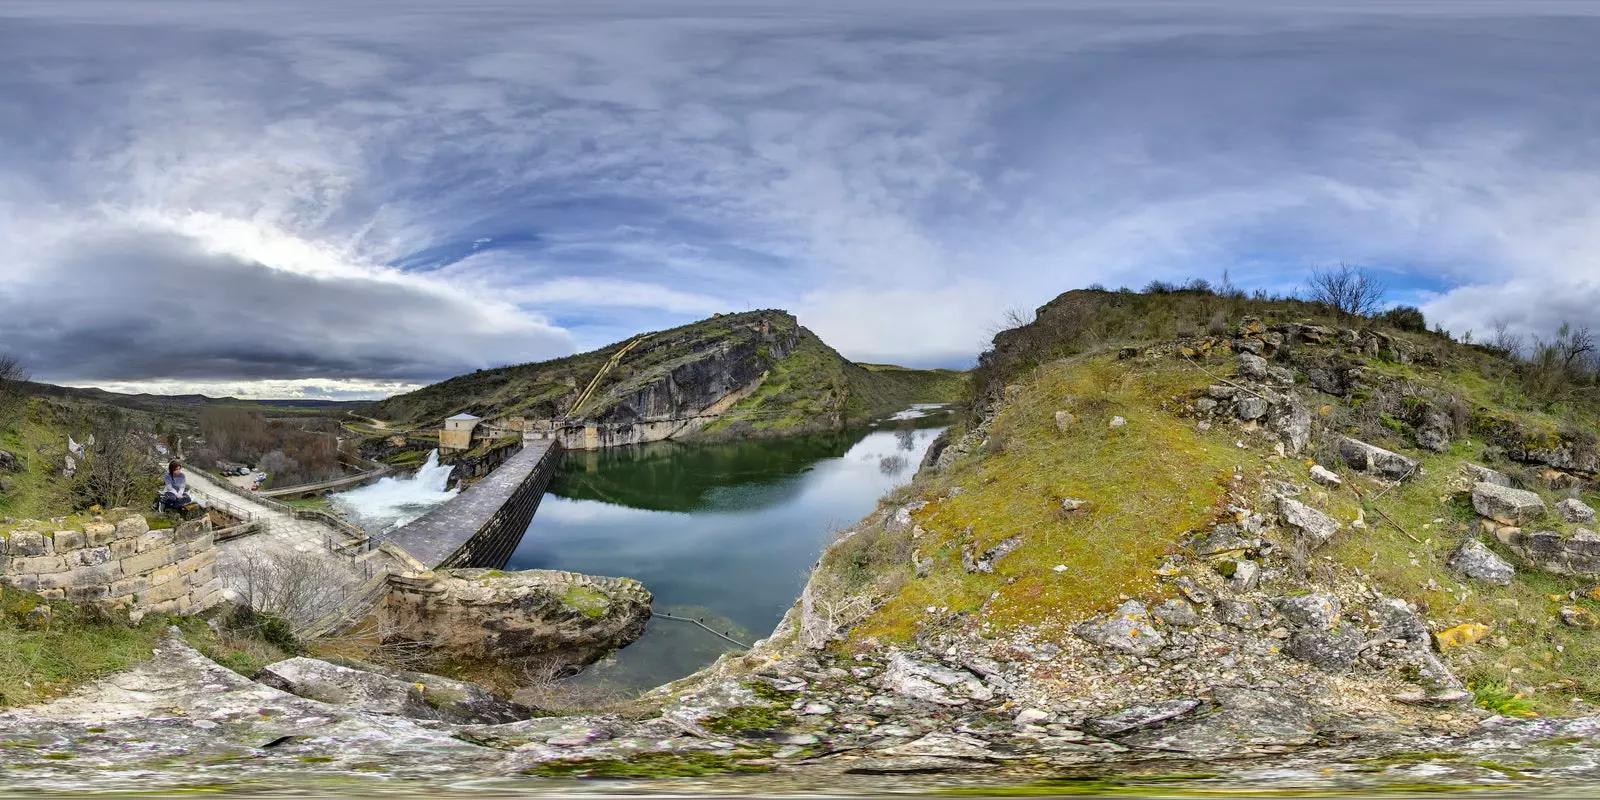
point(392, 502)
point(918, 411)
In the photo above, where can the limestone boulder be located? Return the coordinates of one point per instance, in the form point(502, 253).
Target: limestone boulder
point(370, 689)
point(1574, 510)
point(1315, 611)
point(1251, 408)
point(544, 615)
point(932, 683)
point(1473, 560)
point(1506, 505)
point(1481, 474)
point(1332, 651)
point(1376, 460)
point(1326, 477)
point(1139, 717)
point(1315, 527)
point(1292, 422)
point(1127, 630)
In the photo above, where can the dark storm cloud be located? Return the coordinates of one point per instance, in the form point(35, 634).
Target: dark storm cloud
point(139, 306)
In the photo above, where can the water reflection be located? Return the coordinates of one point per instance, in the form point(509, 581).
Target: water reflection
point(727, 529)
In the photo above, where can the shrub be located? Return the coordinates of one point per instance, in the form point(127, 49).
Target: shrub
point(1406, 318)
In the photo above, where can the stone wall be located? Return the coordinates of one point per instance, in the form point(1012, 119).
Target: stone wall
point(115, 560)
point(468, 468)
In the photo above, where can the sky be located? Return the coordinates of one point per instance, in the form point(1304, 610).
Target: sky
point(349, 199)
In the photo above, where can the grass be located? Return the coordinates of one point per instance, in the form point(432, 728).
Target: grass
point(1147, 484)
point(317, 503)
point(651, 765)
point(1528, 648)
point(40, 492)
point(1494, 696)
point(78, 646)
point(587, 600)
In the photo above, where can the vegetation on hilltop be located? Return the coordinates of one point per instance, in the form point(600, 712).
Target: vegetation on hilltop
point(1044, 429)
point(806, 384)
point(815, 388)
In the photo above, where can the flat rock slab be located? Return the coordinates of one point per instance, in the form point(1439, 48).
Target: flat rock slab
point(1473, 560)
point(181, 718)
point(1314, 526)
point(417, 695)
point(1376, 460)
point(1506, 505)
point(1138, 717)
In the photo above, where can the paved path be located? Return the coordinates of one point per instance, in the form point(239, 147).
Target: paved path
point(282, 536)
point(359, 479)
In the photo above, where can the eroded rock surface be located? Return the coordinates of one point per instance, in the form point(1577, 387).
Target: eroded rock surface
point(531, 615)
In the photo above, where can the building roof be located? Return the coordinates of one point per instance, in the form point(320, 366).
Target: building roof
point(464, 418)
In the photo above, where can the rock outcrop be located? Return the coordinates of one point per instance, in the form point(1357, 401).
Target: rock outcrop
point(355, 686)
point(1578, 554)
point(1376, 460)
point(1506, 505)
point(1473, 560)
point(560, 617)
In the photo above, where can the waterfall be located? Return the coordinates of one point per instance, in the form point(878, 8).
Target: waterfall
point(392, 502)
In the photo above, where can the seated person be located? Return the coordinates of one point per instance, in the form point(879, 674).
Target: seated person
point(175, 488)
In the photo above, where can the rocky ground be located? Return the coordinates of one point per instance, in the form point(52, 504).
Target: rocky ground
point(1249, 660)
point(909, 721)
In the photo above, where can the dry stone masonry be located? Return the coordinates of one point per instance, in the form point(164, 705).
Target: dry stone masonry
point(115, 560)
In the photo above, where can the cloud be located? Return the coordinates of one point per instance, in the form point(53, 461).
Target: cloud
point(133, 305)
point(442, 187)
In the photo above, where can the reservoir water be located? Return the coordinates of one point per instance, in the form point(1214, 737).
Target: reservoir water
point(723, 533)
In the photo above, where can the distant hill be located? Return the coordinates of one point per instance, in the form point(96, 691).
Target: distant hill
point(755, 372)
point(189, 404)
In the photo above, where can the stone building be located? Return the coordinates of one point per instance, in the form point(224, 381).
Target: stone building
point(457, 433)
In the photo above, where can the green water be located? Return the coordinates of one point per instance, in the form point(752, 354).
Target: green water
point(719, 532)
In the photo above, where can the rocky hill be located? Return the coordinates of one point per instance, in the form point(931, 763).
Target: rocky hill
point(756, 372)
point(1183, 544)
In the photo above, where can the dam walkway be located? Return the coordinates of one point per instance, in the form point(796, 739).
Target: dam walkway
point(482, 525)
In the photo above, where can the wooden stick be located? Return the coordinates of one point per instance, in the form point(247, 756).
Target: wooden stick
point(1220, 379)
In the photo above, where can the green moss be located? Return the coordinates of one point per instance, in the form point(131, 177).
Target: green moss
point(587, 600)
point(1147, 484)
point(770, 693)
point(649, 765)
point(746, 720)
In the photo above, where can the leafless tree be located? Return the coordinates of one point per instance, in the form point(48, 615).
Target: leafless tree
point(116, 468)
point(1504, 339)
point(300, 588)
point(546, 685)
point(12, 376)
point(1352, 291)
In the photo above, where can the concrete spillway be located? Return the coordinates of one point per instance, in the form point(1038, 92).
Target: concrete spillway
point(481, 526)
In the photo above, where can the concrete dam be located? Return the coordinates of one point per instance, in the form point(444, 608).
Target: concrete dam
point(482, 525)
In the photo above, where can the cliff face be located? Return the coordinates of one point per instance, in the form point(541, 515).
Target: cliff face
point(757, 373)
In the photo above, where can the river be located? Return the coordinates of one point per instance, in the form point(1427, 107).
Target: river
point(720, 532)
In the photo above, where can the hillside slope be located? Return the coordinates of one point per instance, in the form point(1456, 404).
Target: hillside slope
point(758, 371)
point(1212, 538)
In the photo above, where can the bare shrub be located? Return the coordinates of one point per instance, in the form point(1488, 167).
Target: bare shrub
point(299, 588)
point(1351, 291)
point(548, 686)
point(118, 470)
point(1504, 340)
point(12, 377)
point(1559, 370)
